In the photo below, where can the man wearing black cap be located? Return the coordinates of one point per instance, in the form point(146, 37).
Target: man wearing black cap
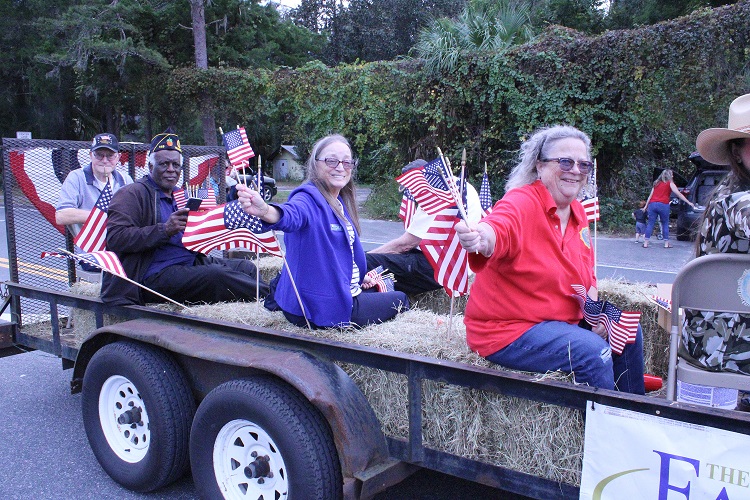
point(144, 229)
point(82, 186)
point(403, 257)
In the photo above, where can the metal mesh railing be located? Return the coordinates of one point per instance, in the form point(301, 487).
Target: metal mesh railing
point(33, 173)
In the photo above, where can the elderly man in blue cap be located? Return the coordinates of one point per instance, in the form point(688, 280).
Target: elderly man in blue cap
point(145, 228)
point(83, 186)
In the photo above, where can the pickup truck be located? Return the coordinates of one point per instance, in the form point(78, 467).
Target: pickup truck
point(271, 412)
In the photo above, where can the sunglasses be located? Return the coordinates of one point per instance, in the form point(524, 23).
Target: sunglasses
point(334, 163)
point(101, 156)
point(567, 164)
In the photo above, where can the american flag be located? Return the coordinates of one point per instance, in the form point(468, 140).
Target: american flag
point(228, 226)
point(238, 147)
point(407, 208)
point(104, 260)
point(591, 206)
point(208, 195)
point(384, 283)
point(485, 197)
point(661, 302)
point(445, 254)
point(93, 234)
point(427, 186)
point(621, 326)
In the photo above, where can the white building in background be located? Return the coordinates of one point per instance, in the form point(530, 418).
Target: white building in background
point(286, 164)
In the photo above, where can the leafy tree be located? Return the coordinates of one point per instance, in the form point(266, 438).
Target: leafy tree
point(376, 30)
point(582, 15)
point(94, 44)
point(483, 27)
point(631, 13)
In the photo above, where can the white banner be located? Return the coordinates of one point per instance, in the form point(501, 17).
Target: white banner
point(632, 456)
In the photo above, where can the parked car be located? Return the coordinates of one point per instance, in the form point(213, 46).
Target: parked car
point(269, 183)
point(707, 176)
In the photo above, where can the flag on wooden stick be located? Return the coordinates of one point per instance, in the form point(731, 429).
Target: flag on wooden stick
point(228, 226)
point(238, 147)
point(93, 235)
point(621, 326)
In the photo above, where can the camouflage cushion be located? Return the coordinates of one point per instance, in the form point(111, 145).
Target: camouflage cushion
point(717, 341)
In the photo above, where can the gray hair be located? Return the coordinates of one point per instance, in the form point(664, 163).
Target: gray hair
point(348, 192)
point(533, 149)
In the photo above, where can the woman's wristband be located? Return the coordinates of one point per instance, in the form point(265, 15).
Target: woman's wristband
point(268, 209)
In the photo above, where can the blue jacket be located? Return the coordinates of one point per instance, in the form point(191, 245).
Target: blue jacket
point(318, 254)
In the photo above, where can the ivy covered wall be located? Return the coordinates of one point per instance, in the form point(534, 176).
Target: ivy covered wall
point(643, 95)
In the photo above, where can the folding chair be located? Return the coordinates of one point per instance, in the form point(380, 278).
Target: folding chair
point(717, 283)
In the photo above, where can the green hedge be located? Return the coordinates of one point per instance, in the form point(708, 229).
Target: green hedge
point(643, 95)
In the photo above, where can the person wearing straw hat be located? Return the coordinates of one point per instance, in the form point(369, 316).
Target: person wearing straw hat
point(527, 254)
point(145, 228)
point(724, 228)
point(323, 282)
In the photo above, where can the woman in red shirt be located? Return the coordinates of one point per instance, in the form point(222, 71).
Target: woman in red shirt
point(527, 255)
point(657, 204)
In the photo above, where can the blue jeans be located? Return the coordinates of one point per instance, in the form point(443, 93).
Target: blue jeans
point(556, 345)
point(662, 210)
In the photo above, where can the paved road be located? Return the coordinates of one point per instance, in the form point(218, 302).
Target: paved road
point(43, 448)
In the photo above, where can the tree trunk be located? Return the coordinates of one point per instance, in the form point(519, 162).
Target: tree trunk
point(208, 122)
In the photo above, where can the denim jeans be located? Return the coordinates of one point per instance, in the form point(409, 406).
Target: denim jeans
point(662, 210)
point(556, 345)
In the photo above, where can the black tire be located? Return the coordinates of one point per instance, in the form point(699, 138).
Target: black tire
point(683, 235)
point(153, 454)
point(265, 416)
point(267, 193)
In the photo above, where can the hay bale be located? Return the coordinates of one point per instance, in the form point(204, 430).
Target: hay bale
point(527, 436)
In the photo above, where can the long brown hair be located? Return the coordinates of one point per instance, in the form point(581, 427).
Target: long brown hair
point(738, 179)
point(347, 193)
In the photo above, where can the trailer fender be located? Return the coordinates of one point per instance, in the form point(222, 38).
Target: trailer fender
point(356, 429)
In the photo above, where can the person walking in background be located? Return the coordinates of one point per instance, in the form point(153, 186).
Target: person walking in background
point(639, 214)
point(657, 205)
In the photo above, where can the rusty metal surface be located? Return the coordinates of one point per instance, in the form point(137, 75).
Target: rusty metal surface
point(355, 427)
point(282, 352)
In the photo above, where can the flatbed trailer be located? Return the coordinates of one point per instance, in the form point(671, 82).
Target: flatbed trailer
point(255, 411)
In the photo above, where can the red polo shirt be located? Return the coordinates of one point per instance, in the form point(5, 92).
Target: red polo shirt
point(528, 278)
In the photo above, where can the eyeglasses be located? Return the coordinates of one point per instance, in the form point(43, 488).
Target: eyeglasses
point(101, 156)
point(567, 164)
point(334, 163)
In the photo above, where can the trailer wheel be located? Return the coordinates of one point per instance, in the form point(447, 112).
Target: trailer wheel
point(258, 438)
point(137, 410)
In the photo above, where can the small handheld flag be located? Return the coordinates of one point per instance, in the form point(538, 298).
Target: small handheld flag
point(238, 147)
point(93, 234)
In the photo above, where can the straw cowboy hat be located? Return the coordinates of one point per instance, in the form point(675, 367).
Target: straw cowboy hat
point(712, 143)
